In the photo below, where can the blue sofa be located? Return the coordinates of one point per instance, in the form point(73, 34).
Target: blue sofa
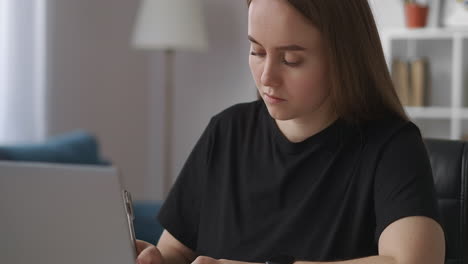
point(82, 148)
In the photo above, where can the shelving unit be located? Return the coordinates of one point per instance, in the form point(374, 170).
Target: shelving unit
point(448, 55)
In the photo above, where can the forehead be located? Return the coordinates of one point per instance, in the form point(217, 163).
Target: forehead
point(276, 22)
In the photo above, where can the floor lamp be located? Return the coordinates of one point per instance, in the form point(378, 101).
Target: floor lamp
point(169, 26)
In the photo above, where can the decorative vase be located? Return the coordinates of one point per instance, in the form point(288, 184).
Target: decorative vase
point(416, 15)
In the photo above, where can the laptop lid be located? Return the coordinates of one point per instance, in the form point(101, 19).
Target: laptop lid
point(62, 214)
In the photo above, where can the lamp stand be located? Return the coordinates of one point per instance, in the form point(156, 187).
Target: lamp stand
point(168, 120)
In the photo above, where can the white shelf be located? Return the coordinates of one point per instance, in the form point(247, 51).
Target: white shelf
point(435, 112)
point(454, 42)
point(424, 33)
point(429, 112)
point(464, 113)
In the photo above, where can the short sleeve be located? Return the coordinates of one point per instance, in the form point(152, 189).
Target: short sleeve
point(180, 212)
point(404, 185)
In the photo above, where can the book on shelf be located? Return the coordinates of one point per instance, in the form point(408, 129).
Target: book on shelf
point(410, 80)
point(418, 78)
point(400, 76)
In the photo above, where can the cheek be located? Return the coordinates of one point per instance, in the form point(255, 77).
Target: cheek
point(309, 85)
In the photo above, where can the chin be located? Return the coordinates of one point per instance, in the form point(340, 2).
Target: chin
point(280, 113)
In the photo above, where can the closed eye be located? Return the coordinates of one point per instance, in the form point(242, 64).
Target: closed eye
point(284, 61)
point(253, 53)
point(291, 64)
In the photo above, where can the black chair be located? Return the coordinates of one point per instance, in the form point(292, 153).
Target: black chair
point(449, 160)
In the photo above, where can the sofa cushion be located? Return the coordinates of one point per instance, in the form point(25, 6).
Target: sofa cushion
point(147, 227)
point(78, 147)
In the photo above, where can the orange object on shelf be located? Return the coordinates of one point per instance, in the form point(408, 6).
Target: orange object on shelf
point(416, 15)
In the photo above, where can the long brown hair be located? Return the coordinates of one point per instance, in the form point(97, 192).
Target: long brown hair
point(361, 86)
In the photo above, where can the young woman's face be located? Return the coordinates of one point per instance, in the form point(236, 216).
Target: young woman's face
point(287, 61)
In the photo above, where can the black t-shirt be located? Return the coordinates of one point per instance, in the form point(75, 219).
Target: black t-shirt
point(246, 193)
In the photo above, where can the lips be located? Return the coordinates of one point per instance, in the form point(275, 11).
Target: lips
point(273, 99)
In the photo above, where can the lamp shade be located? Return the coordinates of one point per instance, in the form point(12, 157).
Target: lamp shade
point(170, 25)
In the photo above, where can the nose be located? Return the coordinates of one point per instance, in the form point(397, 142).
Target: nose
point(270, 75)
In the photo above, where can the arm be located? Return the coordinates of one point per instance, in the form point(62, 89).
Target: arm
point(180, 212)
point(173, 251)
point(410, 240)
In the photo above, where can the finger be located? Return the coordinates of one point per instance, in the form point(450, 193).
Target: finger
point(228, 261)
point(142, 245)
point(149, 255)
point(205, 260)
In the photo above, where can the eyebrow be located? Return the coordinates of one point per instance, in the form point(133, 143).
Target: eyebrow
point(283, 48)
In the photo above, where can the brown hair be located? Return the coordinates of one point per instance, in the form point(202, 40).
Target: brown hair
point(361, 86)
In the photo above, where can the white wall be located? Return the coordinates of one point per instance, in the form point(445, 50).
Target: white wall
point(388, 13)
point(98, 83)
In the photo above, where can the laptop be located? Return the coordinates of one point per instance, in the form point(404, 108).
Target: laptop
point(64, 214)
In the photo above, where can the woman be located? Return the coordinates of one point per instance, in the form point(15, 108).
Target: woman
point(326, 167)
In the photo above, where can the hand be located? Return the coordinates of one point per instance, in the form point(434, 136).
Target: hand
point(148, 253)
point(208, 260)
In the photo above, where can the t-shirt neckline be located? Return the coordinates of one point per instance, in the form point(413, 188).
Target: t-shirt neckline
point(326, 137)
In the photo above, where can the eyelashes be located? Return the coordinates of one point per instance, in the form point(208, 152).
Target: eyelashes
point(284, 61)
point(256, 54)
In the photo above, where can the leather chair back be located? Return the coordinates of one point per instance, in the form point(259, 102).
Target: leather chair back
point(449, 161)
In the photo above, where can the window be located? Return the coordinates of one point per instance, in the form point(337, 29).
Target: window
point(22, 70)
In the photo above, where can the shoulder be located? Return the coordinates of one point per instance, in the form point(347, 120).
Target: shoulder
point(390, 130)
point(391, 138)
point(396, 149)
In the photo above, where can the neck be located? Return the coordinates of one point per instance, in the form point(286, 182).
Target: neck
point(299, 129)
